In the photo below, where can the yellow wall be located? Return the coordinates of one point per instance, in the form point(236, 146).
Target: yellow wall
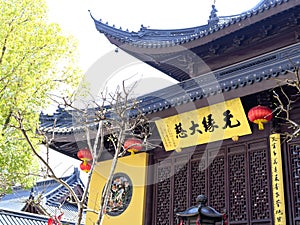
point(135, 167)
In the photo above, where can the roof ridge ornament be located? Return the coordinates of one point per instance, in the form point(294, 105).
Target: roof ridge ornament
point(213, 18)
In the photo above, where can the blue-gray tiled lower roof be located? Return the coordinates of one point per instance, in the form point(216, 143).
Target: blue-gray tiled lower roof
point(10, 217)
point(52, 193)
point(256, 70)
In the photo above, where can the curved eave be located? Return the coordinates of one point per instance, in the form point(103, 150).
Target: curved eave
point(157, 38)
point(58, 193)
point(258, 70)
point(146, 37)
point(249, 74)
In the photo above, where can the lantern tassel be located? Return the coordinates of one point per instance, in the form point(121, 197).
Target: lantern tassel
point(131, 151)
point(260, 126)
point(260, 123)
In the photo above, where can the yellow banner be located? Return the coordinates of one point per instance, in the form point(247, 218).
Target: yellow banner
point(212, 123)
point(277, 180)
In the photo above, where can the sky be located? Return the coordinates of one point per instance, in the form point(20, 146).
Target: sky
point(74, 18)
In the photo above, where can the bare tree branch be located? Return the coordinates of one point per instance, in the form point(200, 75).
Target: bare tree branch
point(284, 105)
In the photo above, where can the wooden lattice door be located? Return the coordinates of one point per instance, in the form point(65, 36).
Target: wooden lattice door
point(292, 184)
point(235, 177)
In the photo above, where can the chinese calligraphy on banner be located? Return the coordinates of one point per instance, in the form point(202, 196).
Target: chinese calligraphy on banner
point(277, 180)
point(212, 123)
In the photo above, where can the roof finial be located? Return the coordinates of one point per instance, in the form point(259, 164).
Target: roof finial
point(213, 18)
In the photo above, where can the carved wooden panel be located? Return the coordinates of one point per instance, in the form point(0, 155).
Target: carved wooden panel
point(217, 183)
point(180, 188)
point(259, 185)
point(163, 195)
point(198, 179)
point(294, 151)
point(235, 177)
point(237, 187)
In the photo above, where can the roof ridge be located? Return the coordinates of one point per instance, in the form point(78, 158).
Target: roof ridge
point(74, 177)
point(157, 38)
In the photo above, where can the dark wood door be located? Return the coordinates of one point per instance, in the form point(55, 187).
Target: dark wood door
point(234, 176)
point(291, 170)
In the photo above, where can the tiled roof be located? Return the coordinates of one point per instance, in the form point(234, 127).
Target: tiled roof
point(244, 55)
point(250, 72)
point(8, 217)
point(53, 195)
point(155, 38)
point(11, 217)
point(180, 53)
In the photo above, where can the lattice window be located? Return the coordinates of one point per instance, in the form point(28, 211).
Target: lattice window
point(237, 187)
point(180, 188)
point(198, 179)
point(163, 198)
point(295, 176)
point(235, 177)
point(217, 183)
point(259, 185)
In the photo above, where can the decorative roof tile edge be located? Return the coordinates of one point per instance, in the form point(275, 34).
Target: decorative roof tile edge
point(27, 217)
point(23, 214)
point(59, 190)
point(264, 67)
point(252, 71)
point(159, 38)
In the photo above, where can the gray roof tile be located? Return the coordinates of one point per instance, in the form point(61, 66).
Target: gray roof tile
point(10, 217)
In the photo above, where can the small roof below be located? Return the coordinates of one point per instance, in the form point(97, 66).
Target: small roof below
point(12, 217)
point(53, 196)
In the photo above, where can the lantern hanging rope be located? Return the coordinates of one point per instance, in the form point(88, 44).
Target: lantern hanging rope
point(260, 115)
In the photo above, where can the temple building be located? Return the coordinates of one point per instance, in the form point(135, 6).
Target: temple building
point(218, 129)
point(46, 199)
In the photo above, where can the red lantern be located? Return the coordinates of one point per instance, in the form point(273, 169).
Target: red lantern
point(86, 156)
point(55, 220)
point(133, 145)
point(260, 115)
point(85, 166)
point(51, 221)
